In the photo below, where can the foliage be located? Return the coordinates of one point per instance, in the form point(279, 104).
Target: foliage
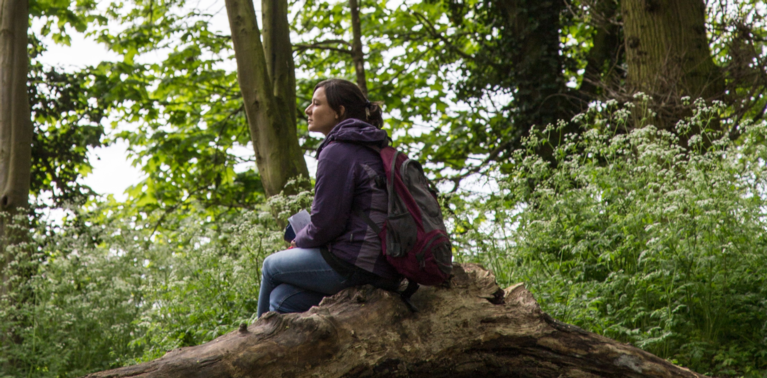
point(737, 40)
point(203, 279)
point(106, 291)
point(627, 235)
point(635, 238)
point(67, 118)
point(187, 109)
point(403, 60)
point(177, 87)
point(66, 125)
point(463, 80)
point(181, 114)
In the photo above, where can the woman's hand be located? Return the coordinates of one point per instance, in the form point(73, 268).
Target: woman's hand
point(292, 244)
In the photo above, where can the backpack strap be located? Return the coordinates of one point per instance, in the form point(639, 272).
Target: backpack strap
point(358, 212)
point(412, 287)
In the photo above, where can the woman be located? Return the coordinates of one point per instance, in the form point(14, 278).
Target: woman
point(337, 249)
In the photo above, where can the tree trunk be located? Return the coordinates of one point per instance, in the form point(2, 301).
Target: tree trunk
point(15, 158)
point(279, 58)
point(532, 30)
point(668, 54)
point(15, 123)
point(472, 329)
point(357, 57)
point(531, 47)
point(269, 99)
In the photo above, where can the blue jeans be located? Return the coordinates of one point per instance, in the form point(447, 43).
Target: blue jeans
point(296, 279)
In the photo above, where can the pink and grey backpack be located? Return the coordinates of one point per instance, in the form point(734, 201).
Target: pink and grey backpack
point(414, 238)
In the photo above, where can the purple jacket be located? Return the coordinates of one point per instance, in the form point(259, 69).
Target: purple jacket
point(346, 180)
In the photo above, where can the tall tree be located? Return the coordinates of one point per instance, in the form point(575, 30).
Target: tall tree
point(518, 52)
point(267, 83)
point(15, 123)
point(531, 53)
point(668, 54)
point(278, 52)
point(15, 145)
point(549, 59)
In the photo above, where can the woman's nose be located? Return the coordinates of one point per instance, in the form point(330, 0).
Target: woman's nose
point(308, 110)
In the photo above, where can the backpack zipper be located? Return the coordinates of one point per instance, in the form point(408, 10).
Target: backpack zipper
point(435, 238)
point(403, 167)
point(421, 256)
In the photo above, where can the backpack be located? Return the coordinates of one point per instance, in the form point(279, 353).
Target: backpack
point(414, 238)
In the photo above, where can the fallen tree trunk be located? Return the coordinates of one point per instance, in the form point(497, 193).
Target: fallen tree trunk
point(472, 329)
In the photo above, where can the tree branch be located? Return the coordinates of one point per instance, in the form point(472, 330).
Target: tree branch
point(357, 55)
point(477, 168)
point(301, 47)
point(435, 33)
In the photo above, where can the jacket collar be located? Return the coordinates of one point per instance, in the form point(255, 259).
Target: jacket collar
point(355, 131)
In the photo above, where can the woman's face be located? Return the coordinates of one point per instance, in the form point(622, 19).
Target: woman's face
point(322, 118)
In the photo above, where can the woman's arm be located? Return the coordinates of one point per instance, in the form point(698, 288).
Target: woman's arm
point(333, 197)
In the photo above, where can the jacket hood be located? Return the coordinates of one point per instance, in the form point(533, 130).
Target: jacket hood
point(355, 131)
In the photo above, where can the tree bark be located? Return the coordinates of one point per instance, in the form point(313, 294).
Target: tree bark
point(472, 329)
point(16, 135)
point(15, 123)
point(531, 29)
point(268, 98)
point(357, 57)
point(668, 54)
point(530, 44)
point(279, 58)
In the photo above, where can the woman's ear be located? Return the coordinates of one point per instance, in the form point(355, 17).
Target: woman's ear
point(341, 111)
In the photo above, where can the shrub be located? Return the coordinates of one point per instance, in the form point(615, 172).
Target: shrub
point(107, 290)
point(634, 237)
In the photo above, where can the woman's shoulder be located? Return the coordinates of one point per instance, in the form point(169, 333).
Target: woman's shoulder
point(346, 150)
point(349, 156)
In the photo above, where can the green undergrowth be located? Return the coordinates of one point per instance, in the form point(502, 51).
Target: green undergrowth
point(633, 237)
point(110, 290)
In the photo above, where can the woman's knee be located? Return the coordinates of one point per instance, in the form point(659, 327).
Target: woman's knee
point(267, 267)
point(286, 298)
point(271, 264)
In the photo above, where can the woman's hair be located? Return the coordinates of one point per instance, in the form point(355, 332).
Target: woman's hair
point(340, 92)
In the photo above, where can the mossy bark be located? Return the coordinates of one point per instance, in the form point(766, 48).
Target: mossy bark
point(471, 329)
point(668, 56)
point(267, 81)
point(279, 58)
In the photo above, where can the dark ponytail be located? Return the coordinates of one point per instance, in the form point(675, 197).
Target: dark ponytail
point(340, 92)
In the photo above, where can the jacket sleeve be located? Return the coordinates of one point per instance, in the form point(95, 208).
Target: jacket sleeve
point(333, 198)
